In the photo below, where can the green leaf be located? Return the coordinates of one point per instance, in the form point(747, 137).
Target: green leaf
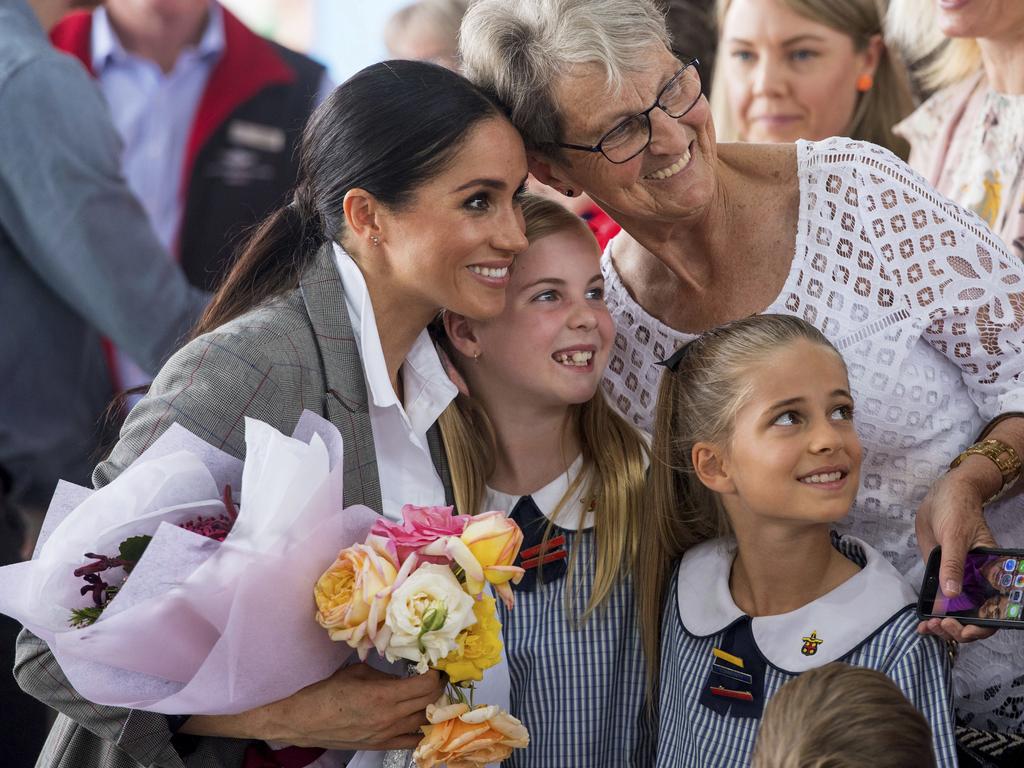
point(83, 617)
point(131, 550)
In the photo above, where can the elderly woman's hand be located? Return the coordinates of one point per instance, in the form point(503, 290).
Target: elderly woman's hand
point(951, 517)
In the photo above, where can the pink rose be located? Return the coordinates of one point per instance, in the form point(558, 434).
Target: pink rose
point(420, 527)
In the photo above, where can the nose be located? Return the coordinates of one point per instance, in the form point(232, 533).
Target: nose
point(827, 437)
point(510, 231)
point(667, 135)
point(767, 77)
point(583, 316)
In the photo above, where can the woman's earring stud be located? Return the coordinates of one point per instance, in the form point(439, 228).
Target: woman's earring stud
point(375, 240)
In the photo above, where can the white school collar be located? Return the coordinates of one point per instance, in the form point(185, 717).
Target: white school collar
point(575, 515)
point(841, 619)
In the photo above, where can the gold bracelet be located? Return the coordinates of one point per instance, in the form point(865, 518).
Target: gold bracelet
point(1002, 455)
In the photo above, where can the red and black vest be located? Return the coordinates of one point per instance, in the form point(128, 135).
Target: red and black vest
point(240, 162)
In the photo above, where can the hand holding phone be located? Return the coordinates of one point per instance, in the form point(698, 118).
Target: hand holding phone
point(992, 593)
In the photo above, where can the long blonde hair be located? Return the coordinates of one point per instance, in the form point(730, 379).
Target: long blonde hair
point(944, 61)
point(698, 402)
point(887, 102)
point(614, 453)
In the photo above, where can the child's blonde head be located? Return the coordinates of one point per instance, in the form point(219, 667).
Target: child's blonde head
point(699, 397)
point(613, 452)
point(838, 716)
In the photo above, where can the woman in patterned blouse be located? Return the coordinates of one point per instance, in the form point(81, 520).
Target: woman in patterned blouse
point(968, 138)
point(917, 294)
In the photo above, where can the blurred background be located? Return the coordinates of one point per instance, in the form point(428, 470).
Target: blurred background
point(345, 36)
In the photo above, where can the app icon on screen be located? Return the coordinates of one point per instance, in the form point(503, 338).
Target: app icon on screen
point(1016, 596)
point(1010, 565)
point(1013, 611)
point(1021, 566)
point(1019, 581)
point(1006, 580)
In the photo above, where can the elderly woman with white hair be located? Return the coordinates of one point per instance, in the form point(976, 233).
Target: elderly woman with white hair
point(925, 304)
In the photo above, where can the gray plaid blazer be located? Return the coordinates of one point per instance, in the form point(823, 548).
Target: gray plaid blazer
point(295, 353)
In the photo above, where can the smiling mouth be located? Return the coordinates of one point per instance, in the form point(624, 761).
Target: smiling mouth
point(824, 478)
point(673, 169)
point(493, 272)
point(576, 359)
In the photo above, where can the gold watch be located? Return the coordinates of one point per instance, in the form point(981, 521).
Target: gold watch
point(1002, 455)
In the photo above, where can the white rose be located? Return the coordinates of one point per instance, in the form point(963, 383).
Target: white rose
point(425, 615)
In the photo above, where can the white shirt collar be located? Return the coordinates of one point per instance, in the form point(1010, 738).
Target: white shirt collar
point(428, 390)
point(575, 515)
point(842, 619)
point(106, 46)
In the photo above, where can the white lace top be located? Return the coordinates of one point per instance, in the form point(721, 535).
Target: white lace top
point(927, 308)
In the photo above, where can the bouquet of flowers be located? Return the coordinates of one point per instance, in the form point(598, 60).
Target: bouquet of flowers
point(416, 591)
point(155, 591)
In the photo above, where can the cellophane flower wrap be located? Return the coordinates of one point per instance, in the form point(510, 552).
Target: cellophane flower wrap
point(186, 631)
point(417, 590)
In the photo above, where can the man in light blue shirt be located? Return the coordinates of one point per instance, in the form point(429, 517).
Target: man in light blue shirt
point(209, 114)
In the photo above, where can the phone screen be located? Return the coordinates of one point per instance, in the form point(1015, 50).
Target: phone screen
point(993, 589)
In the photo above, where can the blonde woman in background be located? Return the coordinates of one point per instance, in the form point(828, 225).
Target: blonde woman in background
point(968, 138)
point(807, 69)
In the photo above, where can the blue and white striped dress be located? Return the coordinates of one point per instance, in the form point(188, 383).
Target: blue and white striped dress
point(867, 621)
point(578, 689)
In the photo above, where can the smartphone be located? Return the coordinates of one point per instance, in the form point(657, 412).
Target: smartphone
point(993, 589)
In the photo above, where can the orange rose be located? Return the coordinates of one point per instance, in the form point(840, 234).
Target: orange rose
point(352, 598)
point(460, 737)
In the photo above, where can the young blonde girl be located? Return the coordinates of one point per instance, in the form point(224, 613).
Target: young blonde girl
point(537, 438)
point(754, 456)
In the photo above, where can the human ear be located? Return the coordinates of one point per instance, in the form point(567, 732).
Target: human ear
point(873, 53)
point(711, 469)
point(548, 173)
point(462, 334)
point(363, 215)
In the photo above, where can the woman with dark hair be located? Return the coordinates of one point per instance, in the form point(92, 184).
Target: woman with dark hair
point(407, 201)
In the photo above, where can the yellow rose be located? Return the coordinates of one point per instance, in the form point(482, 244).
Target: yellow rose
point(479, 645)
point(352, 598)
point(460, 737)
point(486, 550)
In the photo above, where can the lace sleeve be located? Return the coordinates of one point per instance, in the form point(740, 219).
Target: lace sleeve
point(956, 278)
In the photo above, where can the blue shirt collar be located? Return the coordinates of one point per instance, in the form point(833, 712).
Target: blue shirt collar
point(106, 46)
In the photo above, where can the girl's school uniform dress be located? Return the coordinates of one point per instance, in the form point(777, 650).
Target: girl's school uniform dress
point(719, 666)
point(577, 687)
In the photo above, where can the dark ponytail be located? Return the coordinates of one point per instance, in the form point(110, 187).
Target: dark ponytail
point(387, 129)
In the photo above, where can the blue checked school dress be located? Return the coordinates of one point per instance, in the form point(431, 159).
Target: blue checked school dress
point(719, 666)
point(579, 689)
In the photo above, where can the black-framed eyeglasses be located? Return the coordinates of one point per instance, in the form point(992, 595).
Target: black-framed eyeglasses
point(633, 135)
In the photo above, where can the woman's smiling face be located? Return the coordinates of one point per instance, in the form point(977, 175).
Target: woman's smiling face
point(673, 176)
point(452, 245)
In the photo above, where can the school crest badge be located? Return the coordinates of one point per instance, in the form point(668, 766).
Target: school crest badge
point(811, 643)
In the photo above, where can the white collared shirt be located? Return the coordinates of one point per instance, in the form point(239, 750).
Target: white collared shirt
point(574, 516)
point(407, 474)
point(851, 612)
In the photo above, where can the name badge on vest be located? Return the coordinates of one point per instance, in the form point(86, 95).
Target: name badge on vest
point(265, 138)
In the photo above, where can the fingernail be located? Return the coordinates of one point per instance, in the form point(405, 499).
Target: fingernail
point(951, 588)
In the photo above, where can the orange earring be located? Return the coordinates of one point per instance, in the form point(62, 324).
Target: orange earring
point(865, 82)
